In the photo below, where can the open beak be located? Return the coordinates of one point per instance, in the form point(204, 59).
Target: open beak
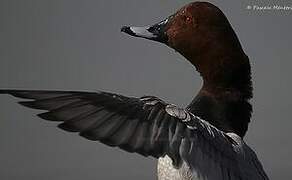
point(156, 32)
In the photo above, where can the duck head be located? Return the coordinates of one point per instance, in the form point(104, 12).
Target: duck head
point(202, 34)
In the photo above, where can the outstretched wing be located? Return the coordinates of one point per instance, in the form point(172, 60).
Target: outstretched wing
point(150, 127)
point(134, 124)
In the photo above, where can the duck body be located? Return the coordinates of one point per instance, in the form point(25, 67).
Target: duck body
point(203, 141)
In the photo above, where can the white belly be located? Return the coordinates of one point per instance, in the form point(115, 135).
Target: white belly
point(166, 171)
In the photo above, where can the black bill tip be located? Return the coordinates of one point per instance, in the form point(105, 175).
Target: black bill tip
point(127, 29)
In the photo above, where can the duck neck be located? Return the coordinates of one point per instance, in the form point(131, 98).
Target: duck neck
point(224, 98)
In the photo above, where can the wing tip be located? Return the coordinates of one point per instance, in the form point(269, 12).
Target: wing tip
point(6, 91)
point(16, 93)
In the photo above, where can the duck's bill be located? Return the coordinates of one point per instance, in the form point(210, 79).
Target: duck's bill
point(156, 32)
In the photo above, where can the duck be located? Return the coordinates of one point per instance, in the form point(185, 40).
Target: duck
point(203, 141)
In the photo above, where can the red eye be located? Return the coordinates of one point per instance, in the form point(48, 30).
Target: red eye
point(186, 19)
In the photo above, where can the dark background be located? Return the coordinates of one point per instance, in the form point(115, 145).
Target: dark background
point(76, 45)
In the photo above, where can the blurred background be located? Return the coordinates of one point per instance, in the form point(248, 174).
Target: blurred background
point(77, 45)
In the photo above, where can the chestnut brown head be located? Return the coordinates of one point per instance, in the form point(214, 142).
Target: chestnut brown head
point(201, 33)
